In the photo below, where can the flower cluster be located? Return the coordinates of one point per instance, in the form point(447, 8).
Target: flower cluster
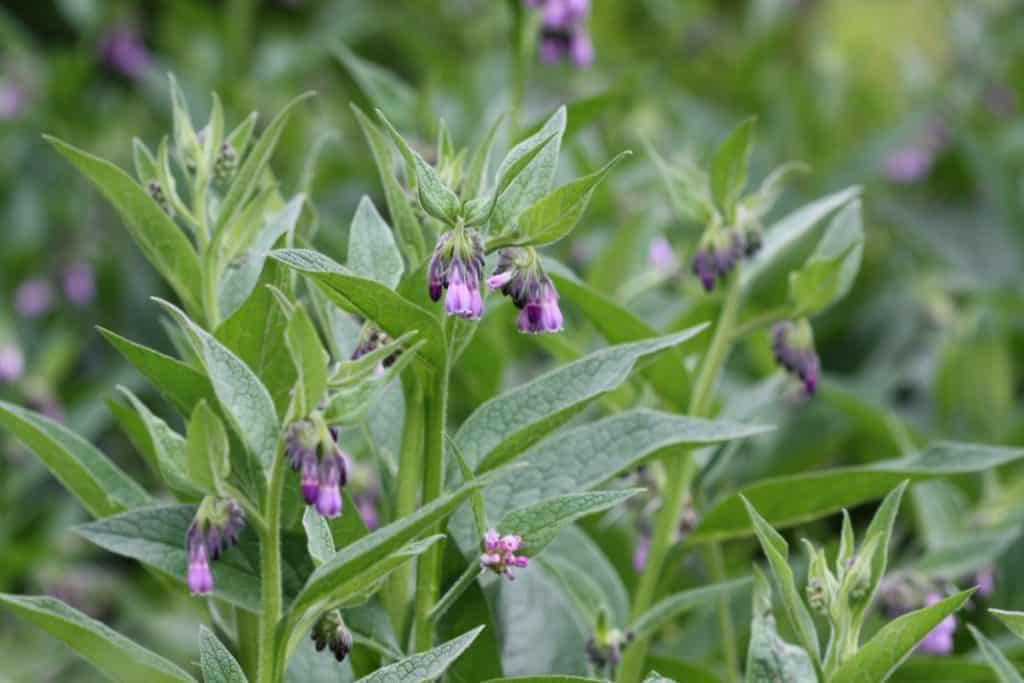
point(313, 449)
point(330, 632)
point(370, 339)
point(721, 250)
point(520, 276)
point(793, 346)
point(214, 529)
point(500, 553)
point(456, 269)
point(563, 34)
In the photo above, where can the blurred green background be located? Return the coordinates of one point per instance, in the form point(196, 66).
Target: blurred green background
point(917, 100)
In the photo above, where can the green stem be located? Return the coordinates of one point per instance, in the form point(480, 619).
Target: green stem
point(680, 470)
point(428, 571)
point(406, 494)
point(247, 627)
point(469, 576)
point(270, 575)
point(716, 564)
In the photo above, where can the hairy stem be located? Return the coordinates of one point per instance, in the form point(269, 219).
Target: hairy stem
point(270, 575)
point(680, 470)
point(247, 628)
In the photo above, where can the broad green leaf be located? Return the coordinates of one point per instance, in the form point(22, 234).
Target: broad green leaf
point(310, 360)
point(1005, 671)
point(436, 198)
point(371, 626)
point(781, 237)
point(729, 168)
point(375, 302)
point(180, 383)
point(769, 658)
point(555, 215)
point(687, 185)
point(242, 397)
point(256, 161)
point(239, 138)
point(539, 523)
point(479, 210)
point(583, 458)
point(876, 660)
point(670, 608)
point(168, 447)
point(827, 276)
point(534, 180)
point(794, 499)
point(161, 241)
point(576, 583)
point(576, 547)
point(946, 669)
point(309, 666)
point(510, 423)
point(123, 660)
point(319, 540)
point(98, 484)
point(407, 226)
point(209, 460)
point(217, 663)
point(425, 666)
point(967, 552)
point(372, 252)
point(1012, 620)
point(777, 551)
point(383, 88)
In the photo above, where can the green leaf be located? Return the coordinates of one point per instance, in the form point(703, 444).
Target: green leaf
point(372, 252)
point(655, 677)
point(827, 276)
point(98, 484)
point(880, 532)
point(249, 174)
point(381, 87)
point(510, 423)
point(770, 658)
point(119, 658)
point(1005, 671)
point(436, 198)
point(777, 551)
point(180, 383)
point(168, 447)
point(242, 397)
point(539, 523)
point(555, 215)
point(669, 609)
point(310, 360)
point(425, 666)
point(729, 168)
point(319, 540)
point(552, 679)
point(375, 302)
point(161, 241)
point(476, 174)
point(762, 201)
point(407, 226)
point(573, 546)
point(875, 661)
point(794, 499)
point(209, 459)
point(240, 136)
point(185, 141)
point(217, 663)
point(1012, 620)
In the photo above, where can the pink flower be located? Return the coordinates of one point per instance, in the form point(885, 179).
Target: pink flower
point(500, 553)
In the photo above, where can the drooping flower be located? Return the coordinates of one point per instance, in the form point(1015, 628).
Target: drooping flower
point(12, 363)
point(124, 52)
point(312, 449)
point(455, 270)
point(500, 553)
point(330, 632)
point(79, 283)
point(793, 346)
point(33, 298)
point(939, 640)
point(563, 31)
point(718, 254)
point(520, 277)
point(214, 529)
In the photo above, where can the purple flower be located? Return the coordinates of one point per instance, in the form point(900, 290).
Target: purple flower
point(661, 256)
point(124, 52)
point(79, 283)
point(33, 298)
point(793, 347)
point(214, 529)
point(500, 553)
point(13, 100)
point(12, 363)
point(641, 551)
point(519, 276)
point(330, 632)
point(312, 449)
point(909, 164)
point(939, 640)
point(718, 254)
point(333, 475)
point(563, 35)
point(985, 579)
point(455, 269)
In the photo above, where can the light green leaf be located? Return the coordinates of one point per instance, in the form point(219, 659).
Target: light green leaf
point(573, 546)
point(539, 523)
point(1012, 620)
point(319, 540)
point(762, 201)
point(161, 241)
point(98, 484)
point(310, 360)
point(185, 141)
point(670, 608)
point(555, 215)
point(770, 658)
point(372, 252)
point(242, 397)
point(217, 663)
point(375, 302)
point(383, 88)
point(425, 666)
point(554, 679)
point(827, 276)
point(168, 448)
point(655, 677)
point(729, 168)
point(794, 499)
point(209, 461)
point(1005, 671)
point(476, 174)
point(145, 162)
point(180, 383)
point(123, 660)
point(240, 136)
point(876, 660)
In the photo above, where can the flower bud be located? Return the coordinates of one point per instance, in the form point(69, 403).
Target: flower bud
point(214, 529)
point(793, 347)
point(155, 190)
point(225, 165)
point(330, 632)
point(455, 270)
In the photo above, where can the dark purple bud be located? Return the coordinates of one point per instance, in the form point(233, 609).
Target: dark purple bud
point(302, 439)
point(330, 632)
point(705, 267)
point(793, 347)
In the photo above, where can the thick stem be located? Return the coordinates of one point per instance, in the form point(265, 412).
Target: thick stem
point(716, 565)
point(680, 470)
point(428, 571)
point(247, 628)
point(270, 576)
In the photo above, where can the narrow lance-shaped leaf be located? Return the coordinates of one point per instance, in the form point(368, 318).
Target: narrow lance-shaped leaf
point(769, 657)
point(383, 88)
point(1012, 620)
point(828, 274)
point(1006, 672)
point(372, 252)
point(670, 608)
point(168, 447)
point(123, 660)
point(425, 666)
point(217, 663)
point(729, 168)
point(209, 462)
point(310, 360)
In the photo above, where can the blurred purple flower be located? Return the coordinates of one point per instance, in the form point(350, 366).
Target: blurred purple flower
point(12, 363)
point(366, 504)
point(909, 164)
point(124, 52)
point(563, 34)
point(661, 257)
point(985, 579)
point(33, 298)
point(641, 551)
point(79, 283)
point(1001, 100)
point(47, 406)
point(939, 640)
point(13, 100)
